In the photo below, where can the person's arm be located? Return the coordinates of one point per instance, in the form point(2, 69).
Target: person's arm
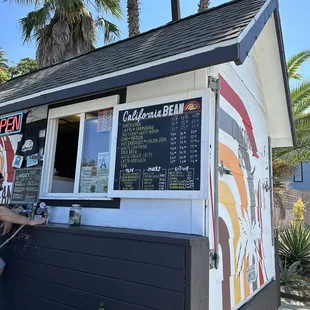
point(7, 215)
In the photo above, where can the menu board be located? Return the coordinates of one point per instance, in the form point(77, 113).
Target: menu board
point(159, 147)
point(26, 185)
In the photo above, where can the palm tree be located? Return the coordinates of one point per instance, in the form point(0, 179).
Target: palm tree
point(133, 12)
point(285, 160)
point(203, 5)
point(4, 73)
point(64, 29)
point(3, 60)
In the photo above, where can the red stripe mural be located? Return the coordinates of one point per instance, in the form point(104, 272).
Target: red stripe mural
point(233, 98)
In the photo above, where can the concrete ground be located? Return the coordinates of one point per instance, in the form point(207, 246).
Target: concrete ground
point(290, 305)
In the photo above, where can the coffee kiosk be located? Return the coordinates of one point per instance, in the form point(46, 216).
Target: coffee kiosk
point(165, 141)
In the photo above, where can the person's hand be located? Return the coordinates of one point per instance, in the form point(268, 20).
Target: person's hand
point(37, 221)
point(7, 226)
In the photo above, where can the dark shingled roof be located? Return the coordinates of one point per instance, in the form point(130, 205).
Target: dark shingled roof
point(213, 26)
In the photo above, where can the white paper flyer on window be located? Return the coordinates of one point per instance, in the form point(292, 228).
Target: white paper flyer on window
point(93, 180)
point(103, 160)
point(105, 118)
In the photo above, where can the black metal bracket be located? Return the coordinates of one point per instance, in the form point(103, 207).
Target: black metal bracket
point(266, 186)
point(213, 260)
point(224, 170)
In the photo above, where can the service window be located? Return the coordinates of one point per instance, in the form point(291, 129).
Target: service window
point(77, 153)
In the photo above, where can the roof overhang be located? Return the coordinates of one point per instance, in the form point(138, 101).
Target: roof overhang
point(272, 66)
point(236, 50)
point(285, 75)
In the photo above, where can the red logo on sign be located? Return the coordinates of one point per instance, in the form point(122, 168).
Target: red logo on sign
point(192, 106)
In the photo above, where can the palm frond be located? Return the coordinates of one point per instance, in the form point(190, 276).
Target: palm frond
point(3, 60)
point(284, 153)
point(303, 141)
point(72, 7)
point(28, 2)
point(83, 33)
point(111, 31)
point(88, 26)
point(2, 52)
point(61, 32)
point(34, 21)
point(302, 125)
point(112, 7)
point(300, 109)
point(295, 62)
point(283, 169)
point(296, 154)
point(301, 92)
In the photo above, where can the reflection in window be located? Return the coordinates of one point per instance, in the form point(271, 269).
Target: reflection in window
point(96, 152)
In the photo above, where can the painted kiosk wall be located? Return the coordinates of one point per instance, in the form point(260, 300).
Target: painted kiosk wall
point(169, 157)
point(30, 121)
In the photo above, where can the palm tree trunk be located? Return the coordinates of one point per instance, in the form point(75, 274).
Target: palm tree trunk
point(133, 11)
point(203, 5)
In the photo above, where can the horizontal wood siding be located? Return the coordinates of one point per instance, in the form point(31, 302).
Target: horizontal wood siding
point(64, 268)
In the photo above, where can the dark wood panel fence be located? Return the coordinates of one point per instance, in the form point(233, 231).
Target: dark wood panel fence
point(64, 268)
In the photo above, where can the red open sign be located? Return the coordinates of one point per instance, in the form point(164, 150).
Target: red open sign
point(11, 124)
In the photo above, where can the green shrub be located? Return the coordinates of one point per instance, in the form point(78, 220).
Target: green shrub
point(288, 274)
point(294, 245)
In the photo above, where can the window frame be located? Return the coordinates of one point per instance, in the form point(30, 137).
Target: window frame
point(301, 174)
point(50, 147)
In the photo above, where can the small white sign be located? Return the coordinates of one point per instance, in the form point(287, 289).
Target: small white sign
point(251, 274)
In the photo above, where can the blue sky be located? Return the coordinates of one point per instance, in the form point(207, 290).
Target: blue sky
point(294, 15)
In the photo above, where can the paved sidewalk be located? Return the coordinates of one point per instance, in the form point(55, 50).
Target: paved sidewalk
point(289, 305)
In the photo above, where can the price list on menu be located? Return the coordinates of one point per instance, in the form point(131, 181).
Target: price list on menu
point(159, 147)
point(26, 185)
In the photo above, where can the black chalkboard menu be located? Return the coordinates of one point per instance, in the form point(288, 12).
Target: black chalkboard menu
point(159, 147)
point(26, 185)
